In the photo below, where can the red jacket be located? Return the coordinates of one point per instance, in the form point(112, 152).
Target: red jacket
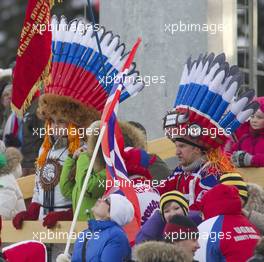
point(226, 234)
point(252, 142)
point(192, 184)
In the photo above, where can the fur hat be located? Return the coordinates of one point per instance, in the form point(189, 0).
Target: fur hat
point(67, 109)
point(13, 158)
point(133, 136)
point(153, 251)
point(255, 198)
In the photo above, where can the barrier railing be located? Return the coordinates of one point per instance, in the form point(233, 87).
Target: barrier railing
point(33, 229)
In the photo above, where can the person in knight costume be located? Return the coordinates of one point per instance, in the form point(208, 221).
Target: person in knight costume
point(204, 116)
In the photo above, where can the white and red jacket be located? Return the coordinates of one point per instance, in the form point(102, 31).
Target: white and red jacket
point(226, 235)
point(148, 198)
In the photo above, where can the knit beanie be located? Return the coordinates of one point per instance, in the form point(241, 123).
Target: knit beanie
point(260, 100)
point(176, 196)
point(121, 209)
point(235, 179)
point(138, 162)
point(180, 228)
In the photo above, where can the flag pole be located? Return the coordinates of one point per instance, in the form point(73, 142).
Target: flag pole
point(65, 256)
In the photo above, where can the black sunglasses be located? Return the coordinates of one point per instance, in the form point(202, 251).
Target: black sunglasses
point(107, 201)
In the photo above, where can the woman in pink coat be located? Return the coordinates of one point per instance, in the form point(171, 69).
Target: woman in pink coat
point(248, 150)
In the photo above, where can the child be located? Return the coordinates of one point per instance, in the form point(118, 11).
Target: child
point(222, 210)
point(249, 149)
point(74, 172)
point(252, 198)
point(11, 198)
point(171, 203)
point(105, 239)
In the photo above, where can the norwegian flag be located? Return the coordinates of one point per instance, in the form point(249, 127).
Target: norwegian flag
point(113, 146)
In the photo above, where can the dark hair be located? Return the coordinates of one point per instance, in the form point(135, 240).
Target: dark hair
point(182, 221)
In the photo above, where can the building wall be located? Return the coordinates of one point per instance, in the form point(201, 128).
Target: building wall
point(163, 53)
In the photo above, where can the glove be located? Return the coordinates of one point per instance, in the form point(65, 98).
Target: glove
point(11, 140)
point(53, 217)
point(79, 151)
point(241, 159)
point(31, 214)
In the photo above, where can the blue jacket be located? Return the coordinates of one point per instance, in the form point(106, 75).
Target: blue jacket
point(106, 242)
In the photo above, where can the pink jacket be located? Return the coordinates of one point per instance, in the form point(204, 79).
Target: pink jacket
point(250, 141)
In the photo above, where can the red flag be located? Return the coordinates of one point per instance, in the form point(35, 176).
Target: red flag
point(33, 54)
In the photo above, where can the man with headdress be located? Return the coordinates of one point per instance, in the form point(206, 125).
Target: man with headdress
point(201, 121)
point(82, 78)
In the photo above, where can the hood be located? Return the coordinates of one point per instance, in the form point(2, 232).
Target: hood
point(221, 200)
point(133, 137)
point(255, 198)
point(245, 130)
point(260, 100)
point(14, 158)
point(256, 132)
point(158, 251)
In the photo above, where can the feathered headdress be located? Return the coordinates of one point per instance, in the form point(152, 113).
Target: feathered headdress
point(82, 78)
point(205, 112)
